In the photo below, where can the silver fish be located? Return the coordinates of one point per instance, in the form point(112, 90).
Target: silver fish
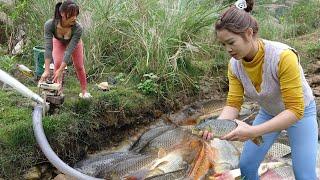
point(173, 161)
point(282, 172)
point(227, 157)
point(93, 166)
point(211, 106)
point(219, 128)
point(276, 151)
point(121, 169)
point(169, 139)
point(148, 136)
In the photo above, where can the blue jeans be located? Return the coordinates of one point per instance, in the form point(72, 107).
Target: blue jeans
point(303, 139)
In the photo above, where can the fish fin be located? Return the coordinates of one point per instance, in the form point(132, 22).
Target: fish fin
point(161, 153)
point(156, 166)
point(257, 140)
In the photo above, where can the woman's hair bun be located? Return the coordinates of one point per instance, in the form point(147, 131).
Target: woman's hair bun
point(250, 4)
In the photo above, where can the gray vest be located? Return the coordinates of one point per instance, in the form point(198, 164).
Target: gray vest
point(269, 96)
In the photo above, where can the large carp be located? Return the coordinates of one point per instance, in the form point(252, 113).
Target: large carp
point(219, 128)
point(121, 169)
point(168, 140)
point(148, 136)
point(94, 165)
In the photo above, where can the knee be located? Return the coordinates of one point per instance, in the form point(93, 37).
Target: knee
point(79, 68)
point(305, 172)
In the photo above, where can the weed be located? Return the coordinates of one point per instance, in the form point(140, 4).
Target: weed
point(149, 86)
point(7, 63)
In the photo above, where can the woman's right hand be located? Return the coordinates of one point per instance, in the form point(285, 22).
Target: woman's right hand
point(44, 76)
point(207, 135)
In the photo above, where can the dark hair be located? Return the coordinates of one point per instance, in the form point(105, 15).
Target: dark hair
point(238, 20)
point(69, 7)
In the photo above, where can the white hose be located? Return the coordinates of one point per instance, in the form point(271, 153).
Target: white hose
point(47, 150)
point(38, 128)
point(6, 78)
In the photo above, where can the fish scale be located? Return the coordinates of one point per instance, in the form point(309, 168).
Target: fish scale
point(211, 106)
point(128, 166)
point(284, 171)
point(168, 163)
point(276, 151)
point(219, 128)
point(93, 166)
point(168, 139)
point(148, 136)
point(176, 175)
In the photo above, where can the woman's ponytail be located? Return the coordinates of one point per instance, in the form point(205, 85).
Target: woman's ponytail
point(57, 14)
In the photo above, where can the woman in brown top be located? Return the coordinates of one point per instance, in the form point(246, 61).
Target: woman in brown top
point(63, 41)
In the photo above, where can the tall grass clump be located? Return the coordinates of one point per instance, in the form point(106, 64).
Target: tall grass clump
point(303, 18)
point(138, 37)
point(148, 36)
point(37, 13)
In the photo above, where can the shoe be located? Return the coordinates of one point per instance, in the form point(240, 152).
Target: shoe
point(85, 95)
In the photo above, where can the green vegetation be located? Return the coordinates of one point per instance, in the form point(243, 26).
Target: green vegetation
point(154, 52)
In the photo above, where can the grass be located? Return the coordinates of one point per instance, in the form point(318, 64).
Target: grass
point(154, 51)
point(71, 131)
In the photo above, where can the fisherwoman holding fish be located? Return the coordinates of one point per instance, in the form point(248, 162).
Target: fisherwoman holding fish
point(270, 74)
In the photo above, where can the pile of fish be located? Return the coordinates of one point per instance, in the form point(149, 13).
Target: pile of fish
point(177, 151)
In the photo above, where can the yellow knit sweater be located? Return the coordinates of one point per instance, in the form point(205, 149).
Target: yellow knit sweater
point(289, 77)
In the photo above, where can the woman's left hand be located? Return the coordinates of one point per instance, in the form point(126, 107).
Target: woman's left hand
point(57, 76)
point(242, 133)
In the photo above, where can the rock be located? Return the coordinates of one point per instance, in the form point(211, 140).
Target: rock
point(4, 22)
point(7, 2)
point(104, 86)
point(314, 80)
point(276, 9)
point(315, 68)
point(64, 177)
point(18, 48)
point(316, 91)
point(32, 174)
point(46, 175)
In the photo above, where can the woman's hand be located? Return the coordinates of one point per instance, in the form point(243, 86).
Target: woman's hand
point(226, 175)
point(44, 77)
point(207, 135)
point(242, 133)
point(57, 76)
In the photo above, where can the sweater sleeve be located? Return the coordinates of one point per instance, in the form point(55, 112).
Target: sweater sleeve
point(236, 92)
point(291, 83)
point(73, 43)
point(48, 35)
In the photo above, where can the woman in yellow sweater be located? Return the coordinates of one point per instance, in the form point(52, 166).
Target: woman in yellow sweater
point(269, 73)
